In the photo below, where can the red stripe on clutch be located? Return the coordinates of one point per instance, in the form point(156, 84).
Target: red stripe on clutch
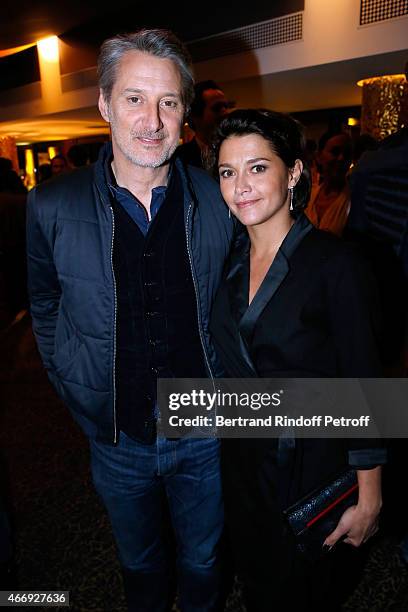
point(332, 505)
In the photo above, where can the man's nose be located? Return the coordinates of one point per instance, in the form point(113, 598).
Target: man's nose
point(152, 120)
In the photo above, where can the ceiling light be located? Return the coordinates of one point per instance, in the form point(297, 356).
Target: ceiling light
point(48, 48)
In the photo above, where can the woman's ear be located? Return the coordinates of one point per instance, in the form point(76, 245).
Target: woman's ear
point(295, 172)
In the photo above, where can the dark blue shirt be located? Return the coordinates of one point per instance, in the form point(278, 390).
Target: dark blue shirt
point(131, 204)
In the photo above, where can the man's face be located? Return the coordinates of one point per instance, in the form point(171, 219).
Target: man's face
point(58, 166)
point(145, 111)
point(216, 107)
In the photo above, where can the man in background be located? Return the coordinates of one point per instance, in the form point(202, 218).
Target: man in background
point(77, 156)
point(378, 222)
point(208, 109)
point(59, 165)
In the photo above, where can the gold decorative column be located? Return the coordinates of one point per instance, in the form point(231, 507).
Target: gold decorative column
point(384, 105)
point(8, 149)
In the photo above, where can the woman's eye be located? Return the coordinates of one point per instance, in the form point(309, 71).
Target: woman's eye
point(225, 173)
point(258, 168)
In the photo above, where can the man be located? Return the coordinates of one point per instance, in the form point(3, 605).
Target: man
point(208, 109)
point(124, 260)
point(378, 222)
point(13, 266)
point(59, 165)
point(77, 156)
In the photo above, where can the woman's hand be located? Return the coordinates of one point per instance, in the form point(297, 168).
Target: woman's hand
point(355, 527)
point(360, 522)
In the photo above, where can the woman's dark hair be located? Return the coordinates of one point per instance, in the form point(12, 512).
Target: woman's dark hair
point(285, 137)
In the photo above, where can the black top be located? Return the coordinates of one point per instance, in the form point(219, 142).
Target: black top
point(314, 315)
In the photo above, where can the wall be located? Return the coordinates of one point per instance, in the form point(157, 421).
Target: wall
point(331, 32)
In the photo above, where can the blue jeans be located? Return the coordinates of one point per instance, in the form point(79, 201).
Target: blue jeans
point(132, 480)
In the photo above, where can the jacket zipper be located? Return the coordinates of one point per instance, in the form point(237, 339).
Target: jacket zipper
point(114, 331)
point(207, 361)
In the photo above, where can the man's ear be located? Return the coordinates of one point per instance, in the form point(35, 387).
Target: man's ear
point(103, 107)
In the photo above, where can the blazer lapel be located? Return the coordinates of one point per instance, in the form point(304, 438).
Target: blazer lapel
point(237, 281)
point(273, 278)
point(238, 277)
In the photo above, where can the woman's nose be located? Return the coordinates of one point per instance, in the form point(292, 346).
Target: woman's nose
point(242, 185)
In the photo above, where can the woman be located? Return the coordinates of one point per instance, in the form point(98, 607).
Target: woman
point(330, 200)
point(295, 303)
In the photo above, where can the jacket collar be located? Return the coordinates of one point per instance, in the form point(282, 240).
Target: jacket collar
point(103, 174)
point(238, 276)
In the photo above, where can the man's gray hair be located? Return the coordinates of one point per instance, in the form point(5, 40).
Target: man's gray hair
point(160, 43)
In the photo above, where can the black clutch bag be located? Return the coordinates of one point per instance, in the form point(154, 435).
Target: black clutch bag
point(313, 517)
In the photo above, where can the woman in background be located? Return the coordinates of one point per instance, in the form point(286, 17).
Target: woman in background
point(295, 302)
point(330, 199)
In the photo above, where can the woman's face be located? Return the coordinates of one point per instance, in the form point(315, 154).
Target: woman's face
point(254, 181)
point(335, 157)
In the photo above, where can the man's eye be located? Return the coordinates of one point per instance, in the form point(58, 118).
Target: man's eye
point(170, 103)
point(134, 99)
point(258, 168)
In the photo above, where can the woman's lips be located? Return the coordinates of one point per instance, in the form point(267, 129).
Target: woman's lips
point(245, 203)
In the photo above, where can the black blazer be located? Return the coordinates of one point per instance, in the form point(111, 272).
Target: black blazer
point(314, 315)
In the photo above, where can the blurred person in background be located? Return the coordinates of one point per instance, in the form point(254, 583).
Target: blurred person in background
point(310, 158)
point(363, 143)
point(9, 179)
point(13, 277)
point(378, 223)
point(77, 156)
point(209, 107)
point(59, 165)
point(330, 200)
point(44, 172)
